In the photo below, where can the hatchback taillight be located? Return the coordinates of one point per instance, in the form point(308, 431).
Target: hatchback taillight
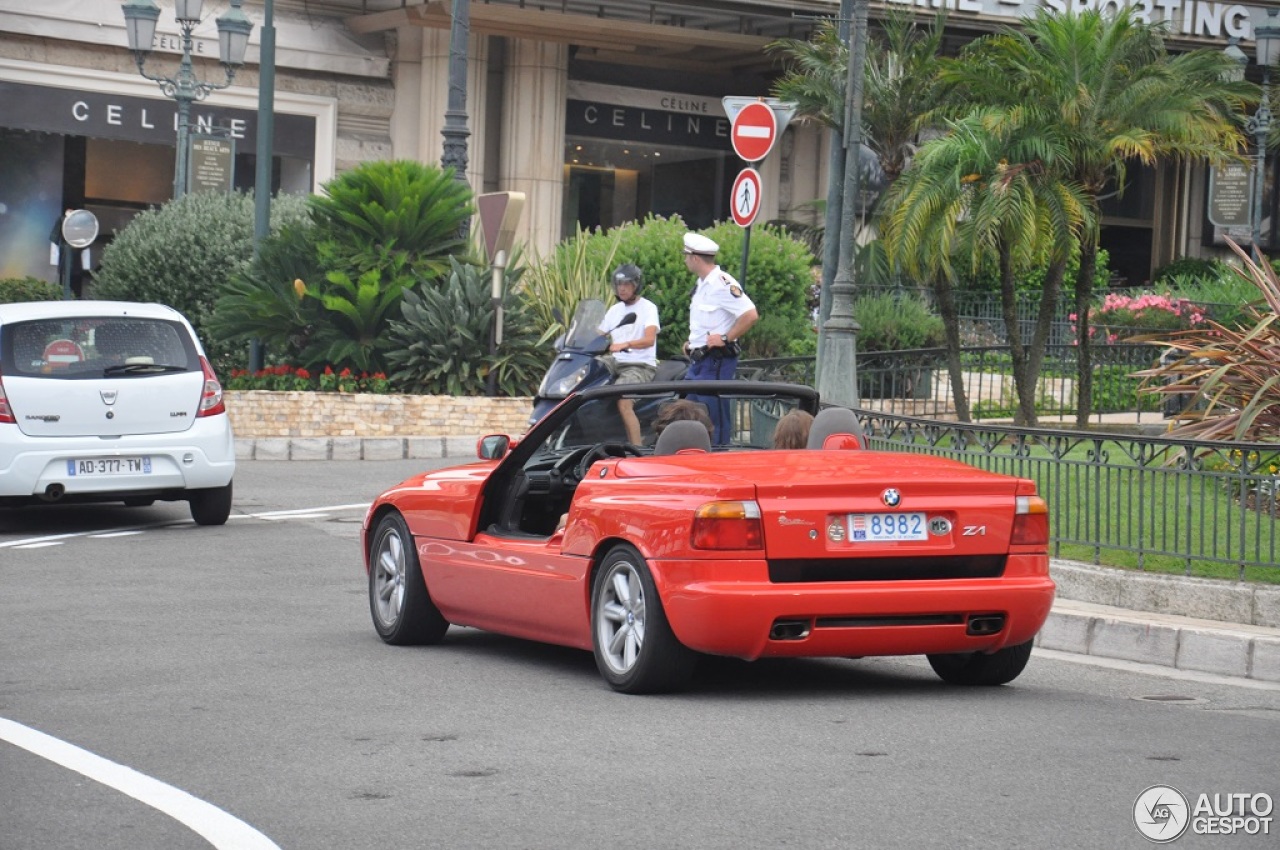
point(727, 525)
point(1030, 522)
point(6, 413)
point(211, 396)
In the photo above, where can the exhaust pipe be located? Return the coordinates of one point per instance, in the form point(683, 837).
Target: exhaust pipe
point(789, 630)
point(53, 492)
point(985, 624)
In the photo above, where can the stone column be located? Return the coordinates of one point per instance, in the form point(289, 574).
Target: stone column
point(421, 75)
point(531, 158)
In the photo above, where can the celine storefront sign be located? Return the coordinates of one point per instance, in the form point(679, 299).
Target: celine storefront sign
point(619, 113)
point(100, 115)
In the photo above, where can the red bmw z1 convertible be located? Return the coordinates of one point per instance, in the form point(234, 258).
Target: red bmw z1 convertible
point(652, 555)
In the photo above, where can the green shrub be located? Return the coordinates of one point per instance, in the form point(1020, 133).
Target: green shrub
point(15, 289)
point(1224, 296)
point(1188, 269)
point(442, 345)
point(889, 322)
point(578, 269)
point(182, 253)
point(778, 279)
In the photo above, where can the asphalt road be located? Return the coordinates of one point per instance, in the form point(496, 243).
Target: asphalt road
point(230, 681)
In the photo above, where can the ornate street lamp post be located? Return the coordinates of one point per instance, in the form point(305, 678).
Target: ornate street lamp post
point(140, 18)
point(455, 130)
point(1267, 47)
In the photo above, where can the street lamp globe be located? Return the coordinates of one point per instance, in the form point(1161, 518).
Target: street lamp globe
point(187, 11)
point(233, 36)
point(1267, 40)
point(140, 18)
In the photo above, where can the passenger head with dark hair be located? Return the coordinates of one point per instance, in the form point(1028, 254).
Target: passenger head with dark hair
point(679, 410)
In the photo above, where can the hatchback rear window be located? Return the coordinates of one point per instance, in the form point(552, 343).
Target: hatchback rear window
point(79, 348)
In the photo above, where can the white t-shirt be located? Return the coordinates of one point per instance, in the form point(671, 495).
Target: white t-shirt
point(646, 315)
point(717, 303)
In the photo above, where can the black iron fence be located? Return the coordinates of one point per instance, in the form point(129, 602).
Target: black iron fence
point(1146, 502)
point(918, 382)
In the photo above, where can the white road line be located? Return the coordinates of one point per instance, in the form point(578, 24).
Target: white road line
point(116, 534)
point(297, 513)
point(208, 821)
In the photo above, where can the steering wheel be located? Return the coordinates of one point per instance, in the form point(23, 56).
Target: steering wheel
point(600, 451)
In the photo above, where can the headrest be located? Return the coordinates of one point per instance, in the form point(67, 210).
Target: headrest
point(832, 421)
point(681, 435)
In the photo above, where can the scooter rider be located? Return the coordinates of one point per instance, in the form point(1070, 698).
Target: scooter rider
point(633, 351)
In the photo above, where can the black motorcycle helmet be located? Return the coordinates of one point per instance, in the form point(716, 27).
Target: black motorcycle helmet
point(628, 272)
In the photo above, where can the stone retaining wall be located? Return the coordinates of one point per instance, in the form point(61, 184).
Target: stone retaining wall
point(259, 413)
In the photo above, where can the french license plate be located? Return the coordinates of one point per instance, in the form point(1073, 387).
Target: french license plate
point(887, 527)
point(110, 466)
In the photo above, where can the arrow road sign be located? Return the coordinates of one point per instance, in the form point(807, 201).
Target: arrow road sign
point(754, 131)
point(745, 200)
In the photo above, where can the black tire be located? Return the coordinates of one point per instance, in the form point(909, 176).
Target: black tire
point(139, 502)
point(212, 506)
point(976, 668)
point(635, 649)
point(402, 610)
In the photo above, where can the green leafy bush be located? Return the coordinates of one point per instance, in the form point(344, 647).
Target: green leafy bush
point(16, 289)
point(1224, 296)
point(889, 322)
point(778, 279)
point(1187, 269)
point(578, 269)
point(182, 253)
point(442, 345)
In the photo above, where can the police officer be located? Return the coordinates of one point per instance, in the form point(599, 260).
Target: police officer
point(719, 314)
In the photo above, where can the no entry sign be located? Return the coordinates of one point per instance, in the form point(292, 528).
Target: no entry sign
point(754, 131)
point(745, 200)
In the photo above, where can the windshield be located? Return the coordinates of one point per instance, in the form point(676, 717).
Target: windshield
point(584, 328)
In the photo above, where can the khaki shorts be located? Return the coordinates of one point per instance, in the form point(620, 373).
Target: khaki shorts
point(635, 373)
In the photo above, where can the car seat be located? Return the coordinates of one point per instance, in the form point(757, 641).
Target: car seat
point(683, 435)
point(836, 428)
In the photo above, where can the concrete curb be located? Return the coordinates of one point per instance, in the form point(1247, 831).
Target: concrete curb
point(1183, 643)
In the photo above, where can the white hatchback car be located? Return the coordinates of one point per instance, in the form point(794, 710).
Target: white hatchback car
point(110, 401)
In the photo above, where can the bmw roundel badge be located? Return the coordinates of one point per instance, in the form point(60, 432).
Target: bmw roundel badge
point(891, 497)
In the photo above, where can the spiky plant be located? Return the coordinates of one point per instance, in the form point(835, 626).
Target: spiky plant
point(442, 345)
point(1231, 375)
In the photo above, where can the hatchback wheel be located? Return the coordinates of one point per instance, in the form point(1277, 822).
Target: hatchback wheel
point(212, 506)
point(635, 649)
point(403, 613)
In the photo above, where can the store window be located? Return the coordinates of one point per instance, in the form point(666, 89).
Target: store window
point(649, 153)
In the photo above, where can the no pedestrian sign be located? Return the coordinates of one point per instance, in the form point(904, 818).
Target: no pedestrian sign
point(745, 200)
point(755, 128)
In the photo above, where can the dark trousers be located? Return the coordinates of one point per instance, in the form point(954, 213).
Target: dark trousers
point(712, 368)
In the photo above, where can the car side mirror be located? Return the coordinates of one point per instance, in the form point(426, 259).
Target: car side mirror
point(493, 446)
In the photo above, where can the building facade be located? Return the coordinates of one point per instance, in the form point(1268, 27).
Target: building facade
point(600, 112)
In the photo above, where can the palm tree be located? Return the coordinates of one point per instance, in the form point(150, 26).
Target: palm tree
point(1117, 97)
point(989, 189)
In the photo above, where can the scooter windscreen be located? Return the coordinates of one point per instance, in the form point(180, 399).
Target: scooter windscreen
point(584, 329)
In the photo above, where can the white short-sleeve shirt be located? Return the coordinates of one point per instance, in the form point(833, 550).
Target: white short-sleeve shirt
point(646, 314)
point(717, 303)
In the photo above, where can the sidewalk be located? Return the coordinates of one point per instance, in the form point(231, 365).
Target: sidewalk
point(1217, 627)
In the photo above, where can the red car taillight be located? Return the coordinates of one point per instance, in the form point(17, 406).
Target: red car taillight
point(1030, 522)
point(6, 413)
point(211, 396)
point(727, 525)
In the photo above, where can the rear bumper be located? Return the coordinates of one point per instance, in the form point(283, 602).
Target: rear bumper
point(736, 618)
point(200, 457)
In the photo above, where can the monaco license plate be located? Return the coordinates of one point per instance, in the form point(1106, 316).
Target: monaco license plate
point(887, 527)
point(110, 466)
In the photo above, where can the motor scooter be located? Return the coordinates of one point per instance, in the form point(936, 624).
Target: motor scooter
point(578, 366)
